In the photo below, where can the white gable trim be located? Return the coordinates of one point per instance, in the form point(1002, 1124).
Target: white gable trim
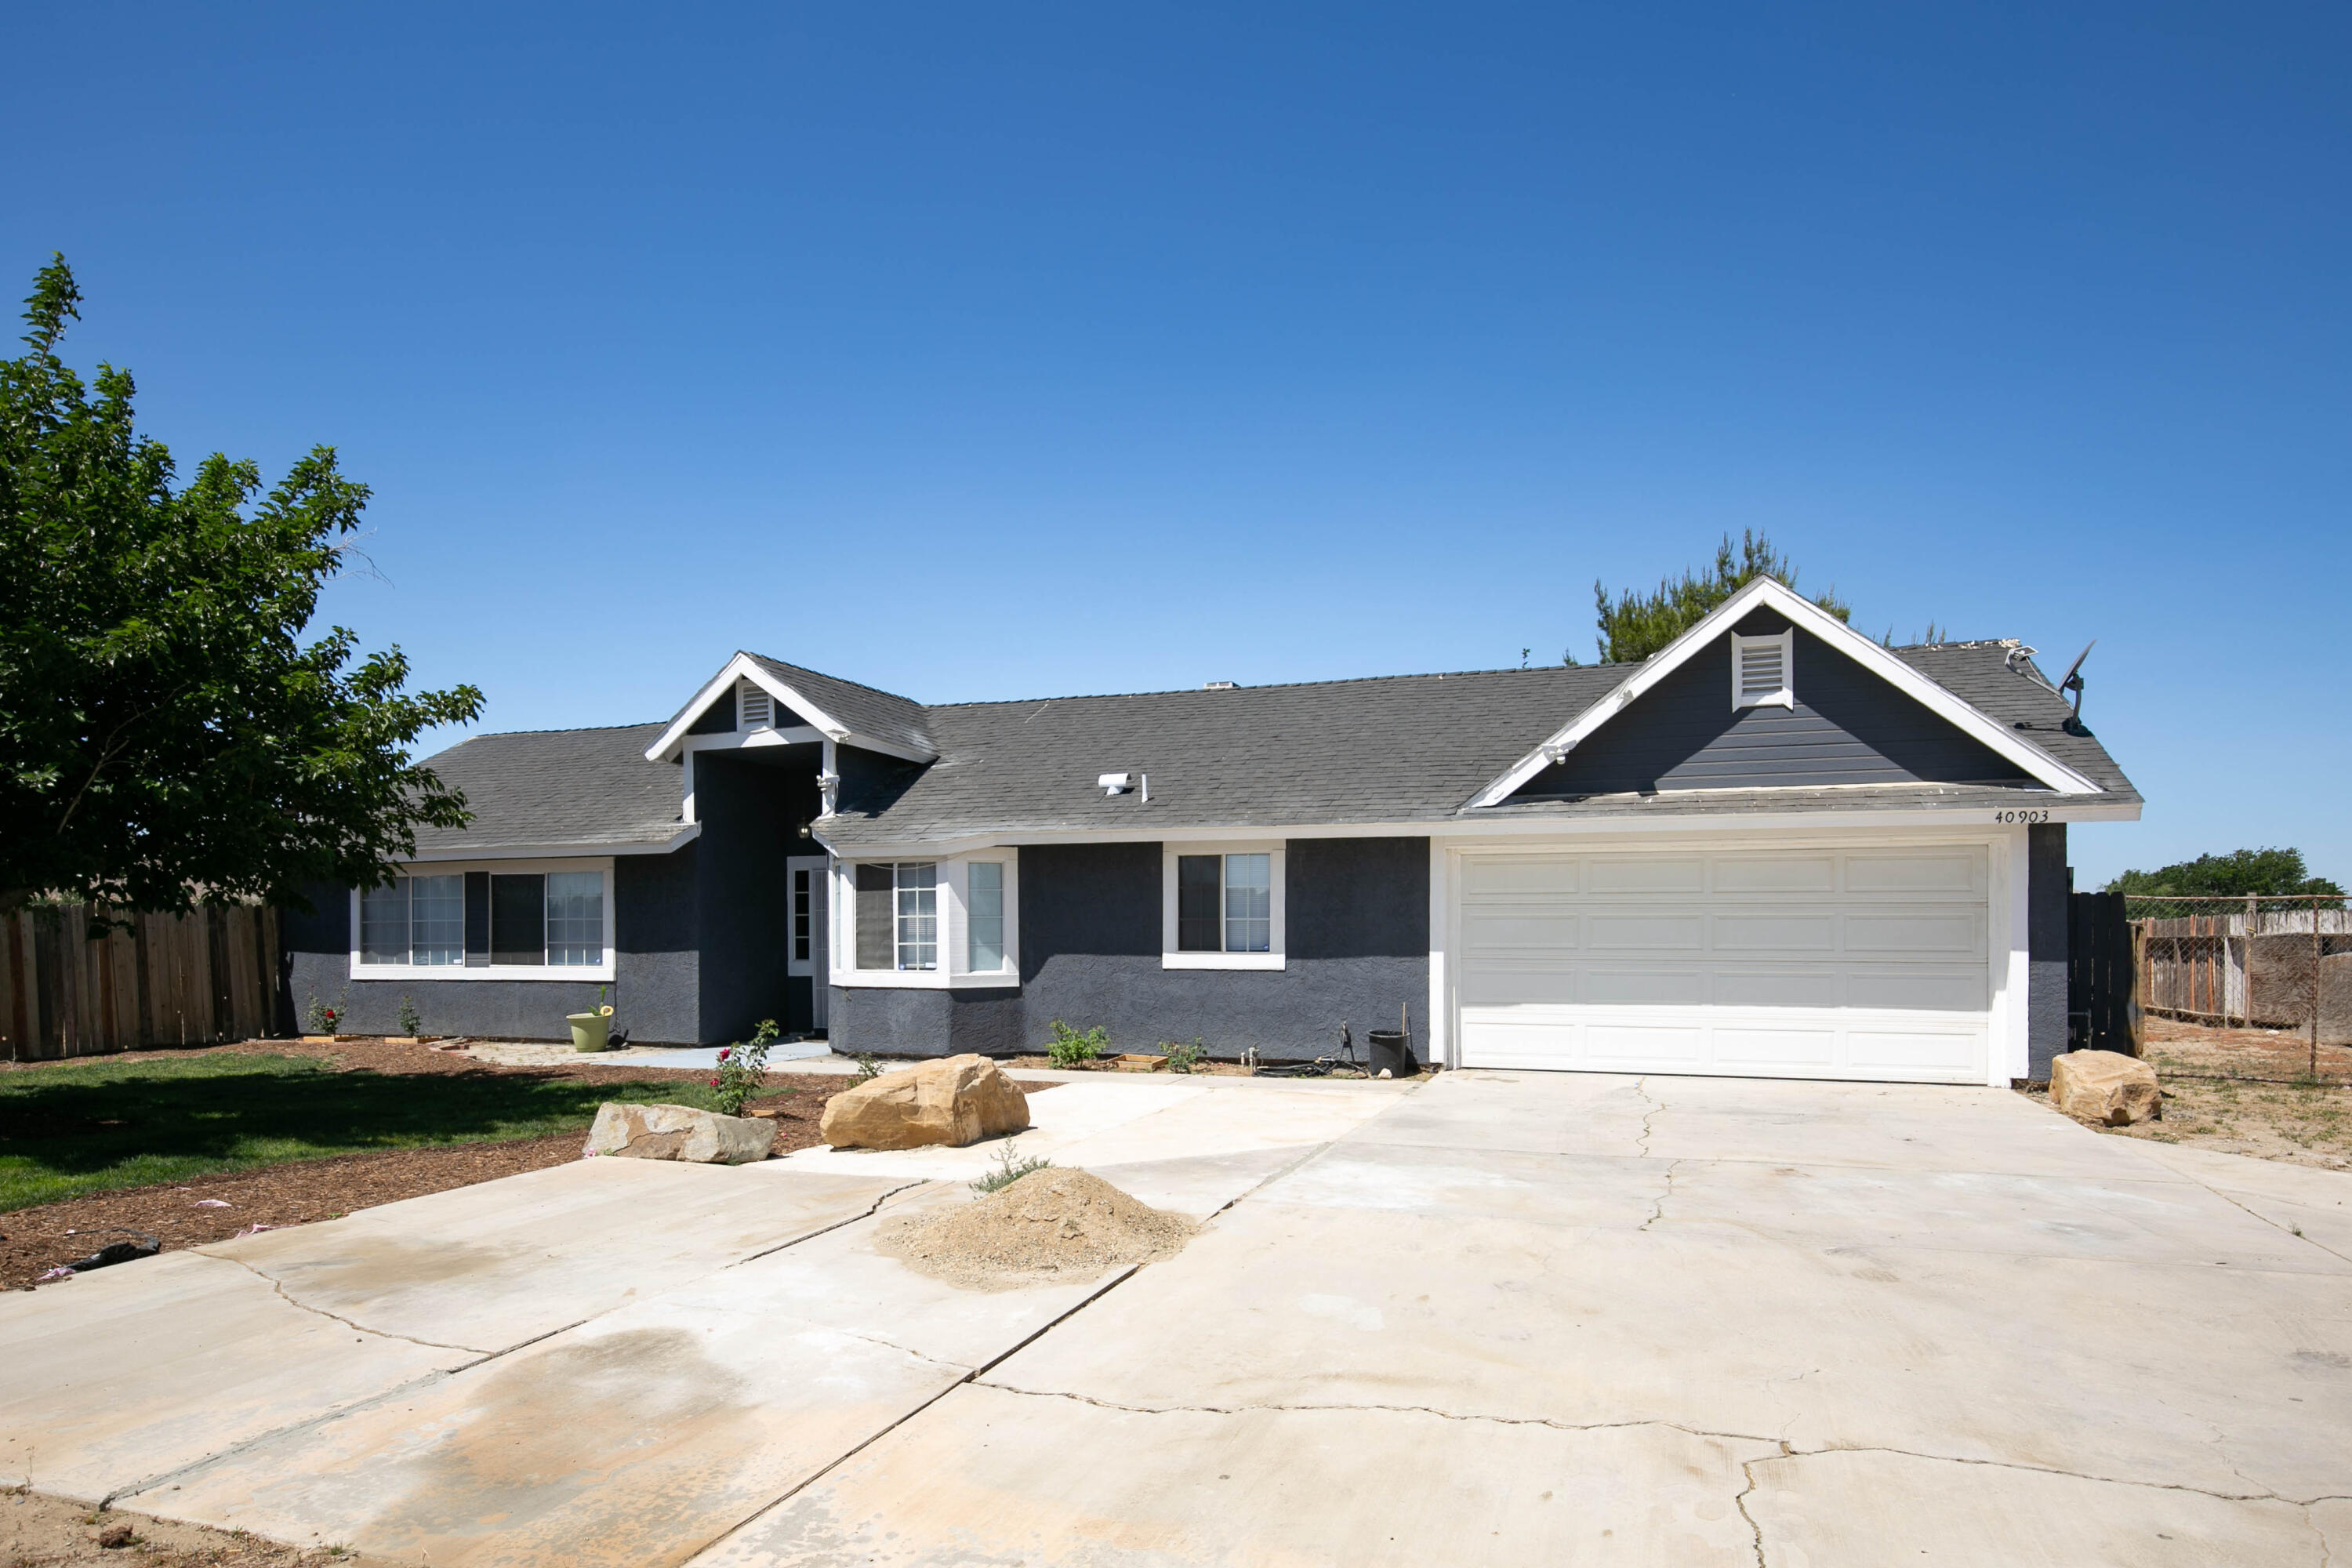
point(1766, 593)
point(743, 667)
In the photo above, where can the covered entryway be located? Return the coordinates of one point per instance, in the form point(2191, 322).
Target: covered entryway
point(1751, 960)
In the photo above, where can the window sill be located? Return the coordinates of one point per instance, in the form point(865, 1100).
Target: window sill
point(1221, 961)
point(588, 972)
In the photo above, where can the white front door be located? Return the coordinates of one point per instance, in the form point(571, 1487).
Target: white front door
point(1749, 960)
point(807, 879)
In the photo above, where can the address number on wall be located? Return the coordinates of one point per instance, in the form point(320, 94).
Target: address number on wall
point(2021, 816)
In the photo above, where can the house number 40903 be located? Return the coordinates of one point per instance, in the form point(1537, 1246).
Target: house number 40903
point(2026, 816)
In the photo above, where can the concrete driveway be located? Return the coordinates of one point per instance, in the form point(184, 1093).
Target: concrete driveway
point(1496, 1318)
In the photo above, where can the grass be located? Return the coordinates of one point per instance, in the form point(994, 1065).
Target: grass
point(105, 1125)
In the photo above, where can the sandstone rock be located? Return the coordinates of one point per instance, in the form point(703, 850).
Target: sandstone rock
point(679, 1132)
point(2105, 1086)
point(955, 1101)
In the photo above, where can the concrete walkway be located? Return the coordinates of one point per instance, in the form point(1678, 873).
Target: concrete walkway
point(1500, 1318)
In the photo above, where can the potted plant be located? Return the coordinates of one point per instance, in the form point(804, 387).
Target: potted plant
point(592, 1030)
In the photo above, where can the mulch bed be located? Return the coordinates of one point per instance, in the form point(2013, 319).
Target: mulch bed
point(35, 1240)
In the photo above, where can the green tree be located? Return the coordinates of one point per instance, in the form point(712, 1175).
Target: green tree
point(1635, 625)
point(164, 734)
point(2234, 875)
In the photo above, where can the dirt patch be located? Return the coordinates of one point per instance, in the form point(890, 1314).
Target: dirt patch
point(2177, 1049)
point(2301, 1124)
point(1049, 1226)
point(215, 1207)
point(36, 1532)
point(1126, 1064)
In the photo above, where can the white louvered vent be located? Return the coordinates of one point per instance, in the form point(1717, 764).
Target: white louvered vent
point(1760, 671)
point(753, 711)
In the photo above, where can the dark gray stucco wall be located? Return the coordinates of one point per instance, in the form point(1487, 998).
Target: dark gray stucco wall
point(1849, 727)
point(2049, 886)
point(1357, 920)
point(656, 965)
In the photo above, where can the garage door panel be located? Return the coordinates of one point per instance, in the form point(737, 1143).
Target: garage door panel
point(1952, 932)
point(1648, 874)
point(1784, 1048)
point(1868, 963)
point(1646, 933)
point(1775, 932)
point(1927, 991)
point(1775, 874)
point(1913, 871)
point(1645, 987)
point(1643, 1045)
point(1503, 931)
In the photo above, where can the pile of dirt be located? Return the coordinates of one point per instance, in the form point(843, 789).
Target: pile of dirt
point(38, 1532)
point(1048, 1225)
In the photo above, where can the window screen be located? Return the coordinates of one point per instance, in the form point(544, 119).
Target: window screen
point(575, 917)
point(517, 919)
point(984, 921)
point(384, 924)
point(877, 948)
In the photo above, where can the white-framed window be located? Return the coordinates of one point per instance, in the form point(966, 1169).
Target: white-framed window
point(1763, 671)
point(803, 913)
point(942, 923)
point(1222, 906)
point(486, 921)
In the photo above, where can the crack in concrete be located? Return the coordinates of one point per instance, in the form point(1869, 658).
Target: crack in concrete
point(1755, 1528)
point(1642, 1088)
point(280, 1287)
point(869, 1211)
point(1658, 1209)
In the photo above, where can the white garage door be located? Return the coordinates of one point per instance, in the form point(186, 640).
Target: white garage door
point(1866, 963)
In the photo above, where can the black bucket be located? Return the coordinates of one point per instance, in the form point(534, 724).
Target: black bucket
point(1391, 1049)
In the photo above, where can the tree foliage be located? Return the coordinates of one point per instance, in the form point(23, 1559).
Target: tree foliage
point(1635, 625)
point(2271, 873)
point(164, 734)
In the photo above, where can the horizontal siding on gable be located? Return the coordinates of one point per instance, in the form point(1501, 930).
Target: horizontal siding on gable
point(1849, 727)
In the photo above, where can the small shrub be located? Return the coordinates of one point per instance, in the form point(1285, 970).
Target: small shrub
point(869, 1067)
point(409, 1024)
point(1182, 1058)
point(1070, 1049)
point(318, 1018)
point(1010, 1168)
point(742, 1068)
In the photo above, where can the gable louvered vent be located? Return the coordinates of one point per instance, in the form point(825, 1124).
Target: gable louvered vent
point(1760, 671)
point(754, 710)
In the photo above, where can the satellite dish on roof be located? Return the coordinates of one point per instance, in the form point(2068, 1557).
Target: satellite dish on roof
point(2073, 683)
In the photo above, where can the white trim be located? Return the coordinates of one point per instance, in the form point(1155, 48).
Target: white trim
point(743, 667)
point(1276, 852)
point(2012, 1052)
point(820, 927)
point(1768, 594)
point(2041, 808)
point(524, 852)
point(954, 887)
point(1441, 863)
point(604, 972)
point(1785, 695)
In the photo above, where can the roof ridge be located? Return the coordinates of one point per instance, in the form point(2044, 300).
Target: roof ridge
point(563, 729)
point(1271, 685)
point(812, 670)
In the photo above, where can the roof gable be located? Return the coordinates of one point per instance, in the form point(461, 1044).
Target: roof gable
point(1826, 633)
point(840, 711)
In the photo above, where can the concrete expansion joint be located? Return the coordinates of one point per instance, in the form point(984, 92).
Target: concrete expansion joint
point(280, 1287)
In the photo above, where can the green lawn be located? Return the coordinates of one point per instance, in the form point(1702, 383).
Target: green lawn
point(86, 1128)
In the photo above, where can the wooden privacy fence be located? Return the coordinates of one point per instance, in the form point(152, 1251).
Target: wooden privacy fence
point(170, 980)
point(2273, 963)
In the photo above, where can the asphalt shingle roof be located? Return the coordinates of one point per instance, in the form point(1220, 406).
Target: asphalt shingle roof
point(1402, 749)
point(542, 787)
point(1388, 749)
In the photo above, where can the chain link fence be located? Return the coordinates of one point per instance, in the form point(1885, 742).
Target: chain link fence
point(2255, 987)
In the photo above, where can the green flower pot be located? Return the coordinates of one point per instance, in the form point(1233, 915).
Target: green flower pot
point(588, 1030)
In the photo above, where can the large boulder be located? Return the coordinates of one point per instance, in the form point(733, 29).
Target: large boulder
point(955, 1100)
point(679, 1132)
point(2105, 1087)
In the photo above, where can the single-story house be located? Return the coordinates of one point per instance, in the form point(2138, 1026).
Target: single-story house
point(1774, 849)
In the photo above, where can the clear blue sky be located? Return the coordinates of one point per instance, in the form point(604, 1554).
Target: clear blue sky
point(983, 351)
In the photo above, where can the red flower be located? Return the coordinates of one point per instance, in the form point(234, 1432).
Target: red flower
point(726, 1051)
point(714, 1083)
